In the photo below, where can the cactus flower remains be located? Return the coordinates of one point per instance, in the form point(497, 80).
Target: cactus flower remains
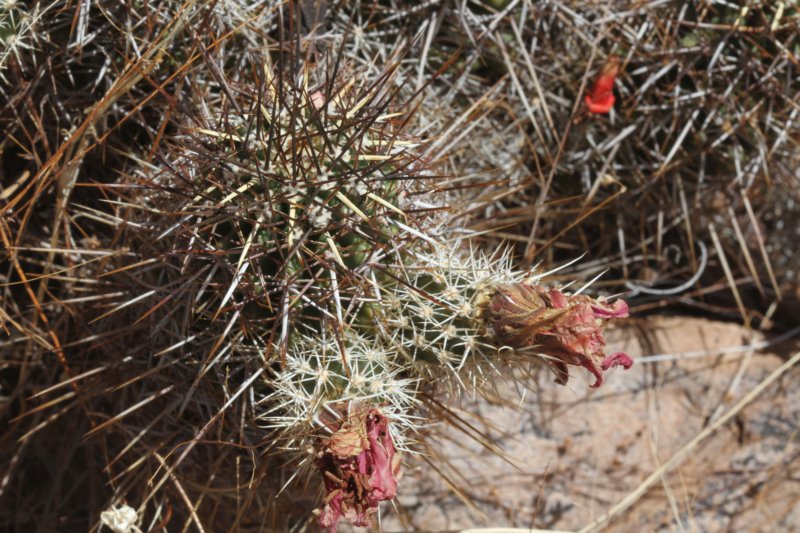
point(567, 328)
point(360, 469)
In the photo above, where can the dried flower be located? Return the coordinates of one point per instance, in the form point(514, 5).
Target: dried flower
point(568, 329)
point(122, 519)
point(359, 467)
point(600, 99)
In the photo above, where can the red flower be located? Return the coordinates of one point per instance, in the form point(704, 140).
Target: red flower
point(567, 329)
point(600, 99)
point(359, 467)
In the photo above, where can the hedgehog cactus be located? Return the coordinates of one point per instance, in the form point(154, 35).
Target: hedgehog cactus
point(322, 373)
point(351, 409)
point(459, 310)
point(434, 317)
point(309, 175)
point(281, 201)
point(443, 313)
point(259, 242)
point(18, 32)
point(286, 205)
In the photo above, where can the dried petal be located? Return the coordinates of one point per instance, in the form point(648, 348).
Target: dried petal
point(618, 359)
point(381, 453)
point(519, 312)
point(360, 469)
point(568, 329)
point(618, 310)
point(348, 441)
point(330, 515)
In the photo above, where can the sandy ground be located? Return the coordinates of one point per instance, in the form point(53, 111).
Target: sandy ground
point(571, 453)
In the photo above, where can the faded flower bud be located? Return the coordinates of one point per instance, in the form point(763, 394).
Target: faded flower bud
point(360, 469)
point(566, 328)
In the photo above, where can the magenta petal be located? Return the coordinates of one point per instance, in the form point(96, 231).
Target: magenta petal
point(557, 298)
point(381, 450)
point(331, 513)
point(358, 517)
point(618, 359)
point(591, 367)
point(618, 310)
point(362, 463)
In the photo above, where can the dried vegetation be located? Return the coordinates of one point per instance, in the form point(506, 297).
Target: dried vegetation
point(228, 226)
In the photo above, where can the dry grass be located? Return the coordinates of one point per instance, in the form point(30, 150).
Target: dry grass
point(150, 281)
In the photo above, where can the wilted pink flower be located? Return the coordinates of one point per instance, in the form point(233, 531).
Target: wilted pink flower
point(567, 328)
point(359, 467)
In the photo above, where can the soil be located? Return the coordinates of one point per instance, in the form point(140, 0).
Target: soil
point(569, 453)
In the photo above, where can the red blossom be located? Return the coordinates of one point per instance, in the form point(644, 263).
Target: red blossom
point(566, 328)
point(600, 99)
point(359, 467)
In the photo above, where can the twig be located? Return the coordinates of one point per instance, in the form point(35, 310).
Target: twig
point(684, 452)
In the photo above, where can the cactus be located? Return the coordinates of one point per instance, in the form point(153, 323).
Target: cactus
point(295, 192)
point(255, 247)
point(272, 275)
point(322, 374)
point(457, 313)
point(18, 32)
point(435, 315)
point(343, 407)
point(464, 310)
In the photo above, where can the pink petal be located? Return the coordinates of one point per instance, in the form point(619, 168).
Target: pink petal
point(383, 482)
point(358, 517)
point(356, 484)
point(618, 359)
point(362, 462)
point(618, 309)
point(558, 299)
point(589, 365)
point(331, 513)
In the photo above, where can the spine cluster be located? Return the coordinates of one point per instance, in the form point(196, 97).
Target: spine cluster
point(450, 314)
